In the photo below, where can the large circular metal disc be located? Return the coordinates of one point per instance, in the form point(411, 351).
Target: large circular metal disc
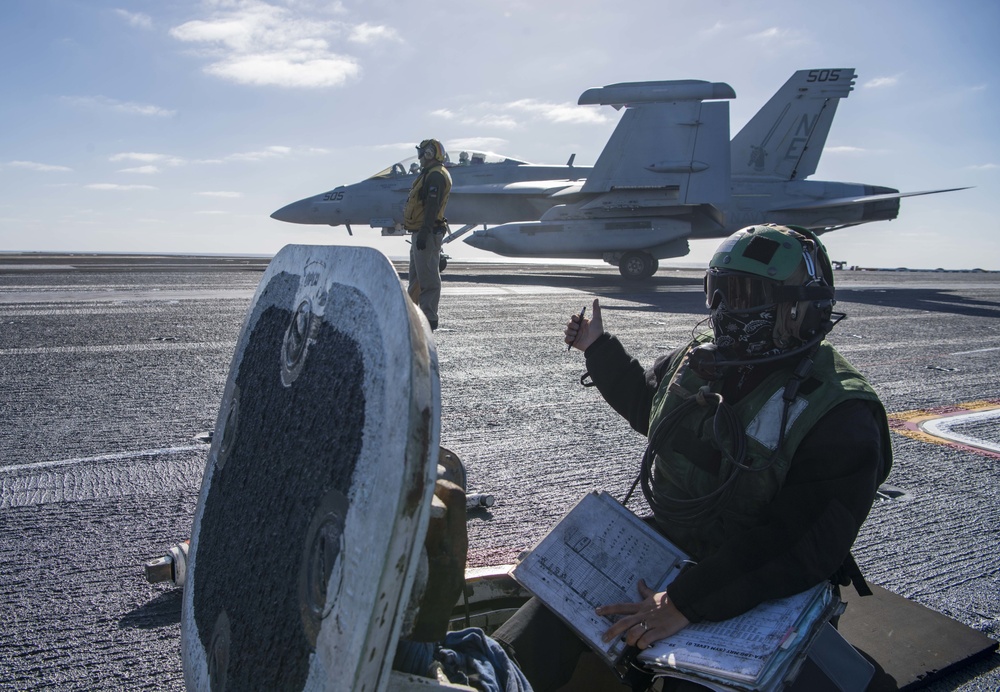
point(317, 489)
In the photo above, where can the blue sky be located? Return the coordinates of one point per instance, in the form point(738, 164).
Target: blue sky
point(180, 126)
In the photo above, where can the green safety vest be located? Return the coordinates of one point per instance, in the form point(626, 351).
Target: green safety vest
point(680, 470)
point(414, 211)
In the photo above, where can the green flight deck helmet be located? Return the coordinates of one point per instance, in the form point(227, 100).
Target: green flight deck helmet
point(769, 289)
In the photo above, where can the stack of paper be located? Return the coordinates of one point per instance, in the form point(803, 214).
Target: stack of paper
point(596, 555)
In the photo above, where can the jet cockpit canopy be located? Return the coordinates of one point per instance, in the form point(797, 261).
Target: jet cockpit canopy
point(467, 157)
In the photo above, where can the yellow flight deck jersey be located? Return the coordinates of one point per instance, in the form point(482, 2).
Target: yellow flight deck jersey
point(429, 192)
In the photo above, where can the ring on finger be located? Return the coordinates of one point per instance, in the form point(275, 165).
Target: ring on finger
point(643, 625)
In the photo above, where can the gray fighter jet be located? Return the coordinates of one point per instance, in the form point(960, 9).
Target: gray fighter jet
point(669, 173)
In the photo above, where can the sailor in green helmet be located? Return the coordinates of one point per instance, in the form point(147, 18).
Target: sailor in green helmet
point(765, 478)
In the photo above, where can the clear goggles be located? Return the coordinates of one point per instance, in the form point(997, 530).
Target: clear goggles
point(739, 292)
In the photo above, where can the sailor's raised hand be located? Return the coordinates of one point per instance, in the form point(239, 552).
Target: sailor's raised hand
point(582, 332)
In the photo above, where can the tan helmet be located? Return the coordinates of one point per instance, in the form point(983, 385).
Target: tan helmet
point(435, 147)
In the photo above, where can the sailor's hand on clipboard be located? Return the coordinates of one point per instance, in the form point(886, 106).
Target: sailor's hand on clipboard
point(643, 624)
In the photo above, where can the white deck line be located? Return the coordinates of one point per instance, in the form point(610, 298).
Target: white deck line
point(942, 427)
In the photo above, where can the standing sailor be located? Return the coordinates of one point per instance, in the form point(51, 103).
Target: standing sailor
point(424, 218)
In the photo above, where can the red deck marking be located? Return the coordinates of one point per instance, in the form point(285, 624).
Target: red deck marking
point(909, 423)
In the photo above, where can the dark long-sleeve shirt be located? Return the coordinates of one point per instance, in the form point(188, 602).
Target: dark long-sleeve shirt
point(808, 528)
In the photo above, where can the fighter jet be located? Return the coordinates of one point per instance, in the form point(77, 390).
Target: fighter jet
point(487, 188)
point(669, 173)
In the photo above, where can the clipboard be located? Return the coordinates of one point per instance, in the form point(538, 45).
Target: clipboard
point(596, 554)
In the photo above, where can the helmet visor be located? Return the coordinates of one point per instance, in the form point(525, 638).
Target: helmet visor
point(739, 291)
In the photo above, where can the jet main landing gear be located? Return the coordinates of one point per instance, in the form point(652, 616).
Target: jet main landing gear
point(638, 265)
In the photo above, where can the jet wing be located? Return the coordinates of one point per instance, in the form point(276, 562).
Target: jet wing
point(863, 199)
point(618, 201)
point(670, 136)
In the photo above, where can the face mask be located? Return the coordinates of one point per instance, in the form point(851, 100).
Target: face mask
point(744, 335)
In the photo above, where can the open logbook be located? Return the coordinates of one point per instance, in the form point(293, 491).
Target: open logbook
point(596, 555)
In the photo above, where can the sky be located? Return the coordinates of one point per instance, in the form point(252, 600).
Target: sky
point(150, 126)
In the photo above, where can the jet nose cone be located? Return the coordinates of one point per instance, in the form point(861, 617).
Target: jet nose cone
point(302, 211)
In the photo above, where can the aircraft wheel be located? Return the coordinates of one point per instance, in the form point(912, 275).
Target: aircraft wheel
point(442, 263)
point(637, 265)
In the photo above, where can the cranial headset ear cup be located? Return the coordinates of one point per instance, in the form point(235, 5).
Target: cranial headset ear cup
point(818, 315)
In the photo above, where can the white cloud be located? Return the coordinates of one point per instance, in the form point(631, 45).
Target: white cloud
point(880, 82)
point(226, 195)
point(273, 152)
point(493, 119)
point(984, 167)
point(147, 157)
point(287, 69)
point(490, 119)
point(397, 146)
point(504, 122)
point(143, 21)
point(714, 30)
point(777, 37)
point(153, 161)
point(143, 170)
point(128, 107)
point(560, 112)
point(845, 150)
point(766, 34)
point(116, 186)
point(261, 44)
point(370, 33)
point(505, 115)
point(251, 26)
point(476, 143)
point(40, 167)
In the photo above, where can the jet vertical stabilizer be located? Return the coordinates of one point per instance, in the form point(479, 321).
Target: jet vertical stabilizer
point(785, 138)
point(667, 139)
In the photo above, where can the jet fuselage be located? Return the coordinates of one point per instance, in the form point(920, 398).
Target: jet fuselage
point(487, 193)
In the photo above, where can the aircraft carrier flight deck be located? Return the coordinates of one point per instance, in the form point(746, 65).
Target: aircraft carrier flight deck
point(113, 369)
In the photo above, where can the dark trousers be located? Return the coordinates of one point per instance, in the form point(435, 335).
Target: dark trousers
point(545, 649)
